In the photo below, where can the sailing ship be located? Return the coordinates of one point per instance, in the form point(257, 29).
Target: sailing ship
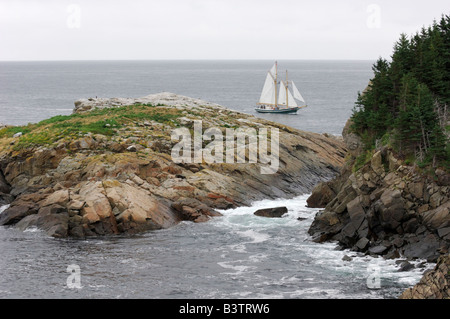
point(276, 96)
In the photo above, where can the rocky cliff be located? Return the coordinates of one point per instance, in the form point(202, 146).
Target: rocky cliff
point(381, 206)
point(434, 284)
point(107, 168)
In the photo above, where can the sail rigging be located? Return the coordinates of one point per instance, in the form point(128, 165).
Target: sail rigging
point(297, 94)
point(286, 99)
point(277, 93)
point(268, 92)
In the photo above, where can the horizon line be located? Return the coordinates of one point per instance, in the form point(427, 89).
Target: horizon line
point(175, 59)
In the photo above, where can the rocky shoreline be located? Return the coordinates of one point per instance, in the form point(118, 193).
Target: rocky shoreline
point(387, 208)
point(124, 181)
point(88, 184)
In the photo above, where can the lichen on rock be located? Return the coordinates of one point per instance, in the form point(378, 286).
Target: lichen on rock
point(107, 169)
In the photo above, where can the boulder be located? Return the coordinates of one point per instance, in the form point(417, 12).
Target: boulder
point(354, 143)
point(52, 219)
point(443, 177)
point(15, 213)
point(434, 284)
point(321, 196)
point(392, 210)
point(438, 217)
point(406, 266)
point(362, 244)
point(356, 212)
point(275, 212)
point(4, 187)
point(378, 250)
point(423, 247)
point(60, 197)
point(377, 163)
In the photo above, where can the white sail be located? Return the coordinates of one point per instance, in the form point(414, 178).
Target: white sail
point(291, 100)
point(268, 92)
point(282, 101)
point(282, 94)
point(273, 71)
point(297, 94)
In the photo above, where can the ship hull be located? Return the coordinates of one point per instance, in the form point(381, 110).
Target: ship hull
point(278, 111)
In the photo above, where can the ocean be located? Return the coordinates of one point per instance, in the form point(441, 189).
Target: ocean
point(237, 255)
point(34, 91)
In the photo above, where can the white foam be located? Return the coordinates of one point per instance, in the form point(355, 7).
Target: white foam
point(238, 268)
point(256, 237)
point(32, 229)
point(3, 208)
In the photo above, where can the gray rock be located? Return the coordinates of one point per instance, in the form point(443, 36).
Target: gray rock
point(411, 225)
point(398, 242)
point(424, 248)
point(377, 163)
point(15, 213)
point(433, 285)
point(362, 243)
point(347, 258)
point(406, 266)
point(442, 232)
point(132, 148)
point(389, 195)
point(321, 196)
point(275, 212)
point(4, 187)
point(354, 142)
point(378, 250)
point(356, 212)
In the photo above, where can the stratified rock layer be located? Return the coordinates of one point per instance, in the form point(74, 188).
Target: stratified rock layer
point(384, 208)
point(434, 284)
point(126, 182)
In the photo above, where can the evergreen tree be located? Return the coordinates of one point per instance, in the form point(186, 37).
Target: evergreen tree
point(408, 98)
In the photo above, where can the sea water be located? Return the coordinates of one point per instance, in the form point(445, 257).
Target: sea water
point(237, 255)
point(34, 91)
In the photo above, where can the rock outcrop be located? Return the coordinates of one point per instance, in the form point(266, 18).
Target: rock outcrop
point(108, 169)
point(434, 284)
point(5, 189)
point(275, 212)
point(384, 208)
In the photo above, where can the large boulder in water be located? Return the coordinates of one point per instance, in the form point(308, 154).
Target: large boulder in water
point(275, 212)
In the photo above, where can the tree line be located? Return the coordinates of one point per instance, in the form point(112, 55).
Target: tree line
point(406, 103)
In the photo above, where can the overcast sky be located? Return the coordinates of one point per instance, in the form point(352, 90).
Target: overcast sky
point(208, 29)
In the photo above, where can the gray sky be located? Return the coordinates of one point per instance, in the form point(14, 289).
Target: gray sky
point(208, 29)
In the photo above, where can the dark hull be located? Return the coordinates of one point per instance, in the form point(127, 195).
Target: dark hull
point(285, 110)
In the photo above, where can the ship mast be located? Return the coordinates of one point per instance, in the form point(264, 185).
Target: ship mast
point(287, 95)
point(276, 83)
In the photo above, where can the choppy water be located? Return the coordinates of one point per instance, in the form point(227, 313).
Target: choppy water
point(33, 91)
point(238, 255)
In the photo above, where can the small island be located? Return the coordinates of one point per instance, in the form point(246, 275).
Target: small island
point(107, 168)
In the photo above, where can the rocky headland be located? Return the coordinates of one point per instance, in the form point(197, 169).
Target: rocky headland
point(107, 168)
point(382, 206)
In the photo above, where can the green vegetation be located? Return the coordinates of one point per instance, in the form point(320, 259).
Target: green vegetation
point(10, 131)
point(98, 121)
point(406, 103)
point(362, 159)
